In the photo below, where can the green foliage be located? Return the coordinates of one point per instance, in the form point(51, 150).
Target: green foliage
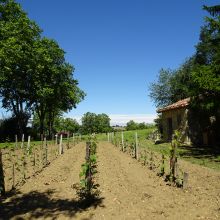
point(17, 36)
point(160, 90)
point(34, 75)
point(206, 74)
point(88, 169)
point(131, 125)
point(60, 124)
point(54, 88)
point(173, 85)
point(198, 78)
point(92, 123)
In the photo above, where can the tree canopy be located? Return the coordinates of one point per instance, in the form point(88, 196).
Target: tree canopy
point(92, 123)
point(173, 85)
point(34, 76)
point(198, 77)
point(17, 37)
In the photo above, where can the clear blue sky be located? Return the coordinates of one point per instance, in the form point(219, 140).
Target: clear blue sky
point(118, 46)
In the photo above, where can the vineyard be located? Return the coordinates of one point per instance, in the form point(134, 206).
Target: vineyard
point(24, 160)
point(111, 176)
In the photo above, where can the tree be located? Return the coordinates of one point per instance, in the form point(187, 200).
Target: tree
point(66, 124)
point(198, 78)
point(160, 91)
point(131, 125)
point(17, 36)
point(34, 75)
point(142, 126)
point(103, 123)
point(92, 123)
point(53, 87)
point(89, 123)
point(181, 81)
point(173, 85)
point(206, 74)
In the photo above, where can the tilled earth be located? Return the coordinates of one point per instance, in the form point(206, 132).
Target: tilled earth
point(127, 190)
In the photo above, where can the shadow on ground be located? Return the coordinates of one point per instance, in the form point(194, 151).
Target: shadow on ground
point(38, 204)
point(205, 152)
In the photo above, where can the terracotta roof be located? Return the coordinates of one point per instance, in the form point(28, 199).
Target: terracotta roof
point(180, 104)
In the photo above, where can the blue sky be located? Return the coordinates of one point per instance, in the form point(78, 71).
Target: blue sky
point(118, 46)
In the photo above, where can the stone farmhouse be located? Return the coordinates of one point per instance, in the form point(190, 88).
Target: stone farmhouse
point(178, 116)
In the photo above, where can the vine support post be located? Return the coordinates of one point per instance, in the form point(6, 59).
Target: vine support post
point(122, 141)
point(28, 144)
point(88, 148)
point(108, 137)
point(136, 146)
point(68, 140)
point(88, 175)
point(16, 141)
point(56, 140)
point(22, 141)
point(61, 145)
point(73, 139)
point(185, 180)
point(46, 150)
point(162, 171)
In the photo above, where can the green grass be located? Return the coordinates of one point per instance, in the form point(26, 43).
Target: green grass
point(204, 156)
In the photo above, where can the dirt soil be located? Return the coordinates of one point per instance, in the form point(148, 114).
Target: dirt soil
point(128, 190)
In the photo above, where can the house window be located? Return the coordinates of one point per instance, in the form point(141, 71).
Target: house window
point(179, 119)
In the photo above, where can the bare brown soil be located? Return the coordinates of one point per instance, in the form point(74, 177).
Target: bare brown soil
point(128, 190)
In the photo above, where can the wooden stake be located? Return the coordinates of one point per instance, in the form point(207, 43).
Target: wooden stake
point(185, 180)
point(61, 145)
point(88, 148)
point(56, 139)
point(122, 141)
point(136, 146)
point(28, 144)
point(45, 148)
point(22, 141)
point(73, 140)
point(68, 140)
point(34, 160)
point(16, 141)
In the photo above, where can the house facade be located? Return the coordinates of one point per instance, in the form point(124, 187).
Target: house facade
point(175, 117)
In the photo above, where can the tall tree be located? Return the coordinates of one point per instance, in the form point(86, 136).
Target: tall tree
point(160, 91)
point(89, 123)
point(103, 123)
point(206, 73)
point(181, 81)
point(131, 125)
point(53, 87)
point(92, 123)
point(173, 85)
point(17, 36)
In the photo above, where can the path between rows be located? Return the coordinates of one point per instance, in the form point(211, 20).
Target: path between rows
point(127, 191)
